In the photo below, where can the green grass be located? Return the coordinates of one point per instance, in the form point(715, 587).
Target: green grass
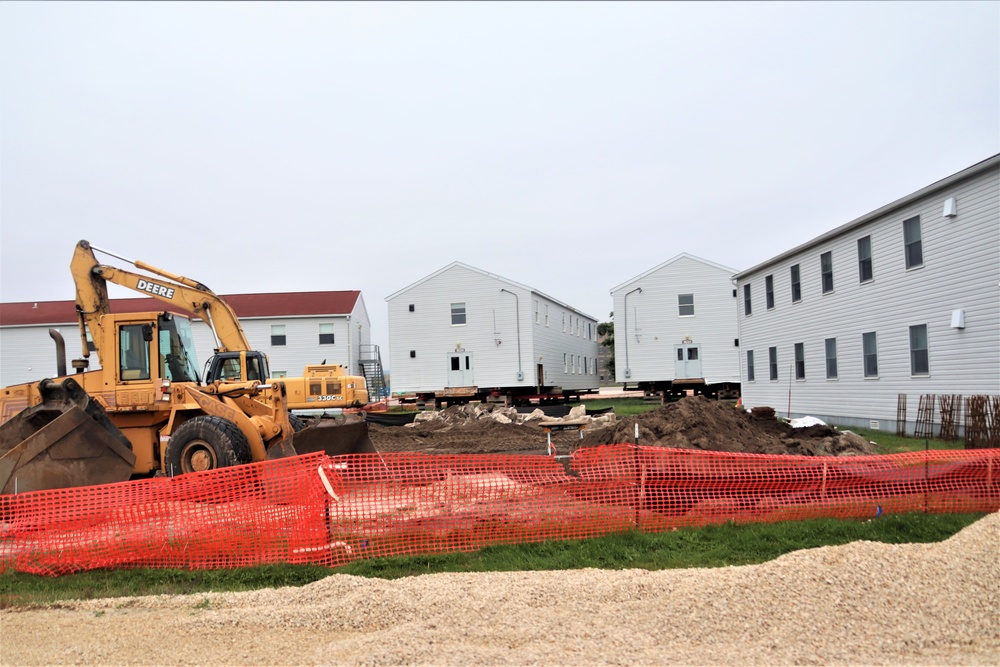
point(890, 443)
point(624, 407)
point(712, 546)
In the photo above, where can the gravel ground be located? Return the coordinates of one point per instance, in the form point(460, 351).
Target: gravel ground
point(863, 603)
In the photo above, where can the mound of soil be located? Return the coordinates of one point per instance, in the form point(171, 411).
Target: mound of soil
point(694, 422)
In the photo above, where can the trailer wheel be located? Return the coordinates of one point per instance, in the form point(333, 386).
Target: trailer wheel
point(205, 443)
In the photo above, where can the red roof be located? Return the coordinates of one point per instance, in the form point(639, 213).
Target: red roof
point(276, 304)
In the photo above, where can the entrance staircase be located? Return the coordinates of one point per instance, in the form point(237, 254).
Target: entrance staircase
point(371, 367)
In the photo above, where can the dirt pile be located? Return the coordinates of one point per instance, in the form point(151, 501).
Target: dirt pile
point(696, 422)
point(691, 423)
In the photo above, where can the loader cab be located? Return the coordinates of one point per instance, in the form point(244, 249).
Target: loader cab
point(133, 351)
point(178, 359)
point(168, 341)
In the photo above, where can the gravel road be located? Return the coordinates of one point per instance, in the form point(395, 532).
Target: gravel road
point(862, 603)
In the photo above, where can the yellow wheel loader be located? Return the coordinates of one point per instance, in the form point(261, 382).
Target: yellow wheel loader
point(146, 411)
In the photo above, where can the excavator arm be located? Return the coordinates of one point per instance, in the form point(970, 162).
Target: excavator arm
point(92, 278)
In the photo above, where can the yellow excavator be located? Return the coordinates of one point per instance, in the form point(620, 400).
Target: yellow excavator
point(146, 411)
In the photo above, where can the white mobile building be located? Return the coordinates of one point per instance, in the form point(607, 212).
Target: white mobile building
point(464, 334)
point(294, 329)
point(676, 330)
point(902, 301)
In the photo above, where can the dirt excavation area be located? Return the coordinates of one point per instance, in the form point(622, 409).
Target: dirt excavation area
point(694, 422)
point(864, 603)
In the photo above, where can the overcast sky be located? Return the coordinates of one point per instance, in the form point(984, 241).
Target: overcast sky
point(567, 146)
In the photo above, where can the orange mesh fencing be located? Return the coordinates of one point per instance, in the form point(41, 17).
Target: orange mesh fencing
point(333, 510)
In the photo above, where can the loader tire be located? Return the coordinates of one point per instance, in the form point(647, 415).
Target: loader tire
point(205, 443)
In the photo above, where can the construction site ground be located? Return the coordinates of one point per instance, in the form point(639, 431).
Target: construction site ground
point(864, 603)
point(694, 422)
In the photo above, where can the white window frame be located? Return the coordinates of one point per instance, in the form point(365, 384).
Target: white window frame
point(327, 329)
point(917, 243)
point(865, 262)
point(830, 358)
point(681, 305)
point(459, 313)
point(924, 351)
point(865, 354)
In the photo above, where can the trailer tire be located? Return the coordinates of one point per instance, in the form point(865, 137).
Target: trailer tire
point(297, 422)
point(205, 443)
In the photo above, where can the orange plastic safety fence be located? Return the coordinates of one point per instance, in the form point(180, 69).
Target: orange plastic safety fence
point(330, 511)
point(232, 517)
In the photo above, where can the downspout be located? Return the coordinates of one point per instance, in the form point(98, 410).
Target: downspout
point(517, 314)
point(628, 371)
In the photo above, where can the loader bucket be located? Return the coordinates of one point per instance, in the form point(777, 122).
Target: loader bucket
point(334, 437)
point(65, 441)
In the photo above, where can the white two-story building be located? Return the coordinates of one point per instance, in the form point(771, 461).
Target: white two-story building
point(465, 334)
point(902, 301)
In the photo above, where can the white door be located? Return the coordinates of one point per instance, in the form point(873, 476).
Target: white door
point(460, 369)
point(687, 361)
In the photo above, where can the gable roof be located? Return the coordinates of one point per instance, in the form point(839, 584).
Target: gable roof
point(488, 275)
point(274, 304)
point(670, 261)
point(969, 172)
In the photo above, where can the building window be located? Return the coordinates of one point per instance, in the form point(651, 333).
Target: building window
point(869, 346)
point(278, 334)
point(458, 313)
point(546, 314)
point(772, 362)
point(865, 259)
point(800, 361)
point(796, 284)
point(919, 364)
point(536, 312)
point(326, 334)
point(826, 269)
point(564, 322)
point(747, 309)
point(413, 354)
point(769, 291)
point(750, 372)
point(912, 242)
point(831, 357)
point(685, 304)
point(565, 363)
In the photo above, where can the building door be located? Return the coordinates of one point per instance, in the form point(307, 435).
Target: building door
point(460, 369)
point(687, 362)
point(541, 377)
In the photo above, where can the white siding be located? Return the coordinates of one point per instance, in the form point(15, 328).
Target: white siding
point(498, 325)
point(28, 354)
point(646, 334)
point(961, 270)
point(302, 345)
